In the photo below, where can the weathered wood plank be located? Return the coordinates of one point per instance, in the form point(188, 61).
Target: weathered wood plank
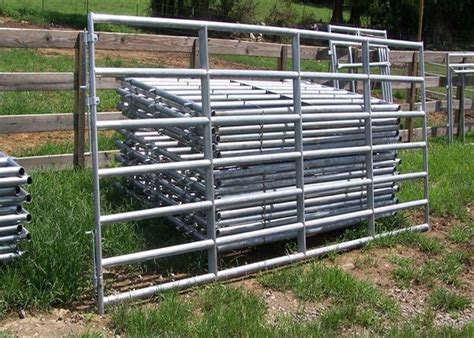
point(36, 81)
point(61, 162)
point(12, 124)
point(37, 38)
point(47, 82)
point(432, 132)
point(44, 38)
point(439, 105)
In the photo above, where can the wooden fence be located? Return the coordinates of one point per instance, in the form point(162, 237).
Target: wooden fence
point(76, 81)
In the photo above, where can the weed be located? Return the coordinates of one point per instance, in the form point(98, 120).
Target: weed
point(443, 299)
point(452, 265)
point(406, 272)
point(423, 328)
point(447, 269)
point(462, 234)
point(349, 295)
point(366, 261)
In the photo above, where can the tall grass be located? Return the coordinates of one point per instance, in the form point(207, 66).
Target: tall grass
point(56, 271)
point(451, 176)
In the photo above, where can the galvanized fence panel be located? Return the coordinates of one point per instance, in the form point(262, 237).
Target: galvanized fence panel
point(273, 121)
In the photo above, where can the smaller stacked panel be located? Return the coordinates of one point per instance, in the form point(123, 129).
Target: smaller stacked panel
point(12, 214)
point(235, 142)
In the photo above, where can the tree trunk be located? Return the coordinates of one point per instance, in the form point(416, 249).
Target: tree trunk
point(337, 12)
point(355, 14)
point(156, 7)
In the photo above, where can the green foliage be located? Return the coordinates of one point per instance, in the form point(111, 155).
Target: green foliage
point(243, 11)
point(444, 299)
point(282, 14)
point(443, 21)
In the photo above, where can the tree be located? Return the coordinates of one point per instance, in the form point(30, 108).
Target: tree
point(337, 12)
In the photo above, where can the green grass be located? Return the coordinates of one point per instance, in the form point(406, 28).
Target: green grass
point(444, 299)
point(73, 14)
point(38, 102)
point(445, 269)
point(462, 234)
point(406, 272)
point(264, 62)
point(355, 302)
point(106, 142)
point(225, 311)
point(217, 311)
point(451, 176)
point(56, 270)
point(426, 329)
point(21, 103)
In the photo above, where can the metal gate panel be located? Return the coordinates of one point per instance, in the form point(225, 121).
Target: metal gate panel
point(203, 110)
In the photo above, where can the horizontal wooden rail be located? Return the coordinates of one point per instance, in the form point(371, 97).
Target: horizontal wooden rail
point(11, 124)
point(45, 38)
point(47, 82)
point(434, 131)
point(62, 161)
point(65, 81)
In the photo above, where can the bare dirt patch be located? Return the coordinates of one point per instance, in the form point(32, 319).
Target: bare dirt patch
point(59, 322)
point(24, 141)
point(283, 303)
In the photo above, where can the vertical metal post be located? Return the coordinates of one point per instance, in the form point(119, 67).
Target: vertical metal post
point(425, 134)
point(449, 96)
point(206, 108)
point(296, 65)
point(457, 114)
point(93, 102)
point(461, 125)
point(414, 71)
point(79, 117)
point(350, 59)
point(333, 54)
point(369, 160)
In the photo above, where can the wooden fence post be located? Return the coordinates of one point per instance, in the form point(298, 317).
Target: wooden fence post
point(194, 57)
point(79, 115)
point(413, 71)
point(283, 59)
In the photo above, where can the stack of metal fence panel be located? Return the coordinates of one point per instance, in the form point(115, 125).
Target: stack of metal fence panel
point(381, 54)
point(161, 98)
point(12, 215)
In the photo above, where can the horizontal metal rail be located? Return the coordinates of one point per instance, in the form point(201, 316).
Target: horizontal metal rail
point(254, 267)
